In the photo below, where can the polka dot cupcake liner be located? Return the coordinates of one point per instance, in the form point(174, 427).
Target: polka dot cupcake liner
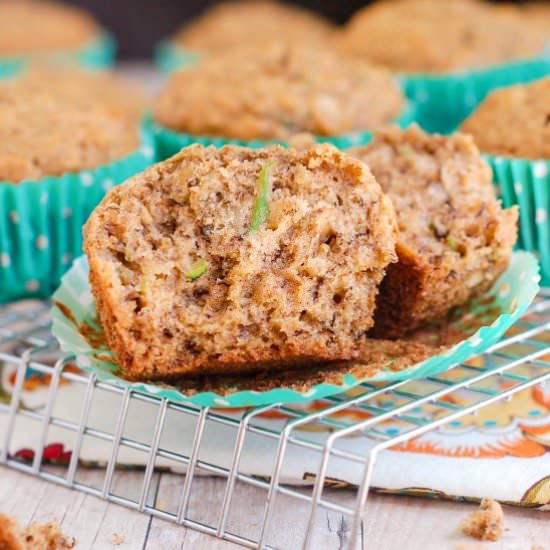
point(527, 183)
point(41, 222)
point(169, 57)
point(74, 307)
point(169, 142)
point(444, 101)
point(98, 54)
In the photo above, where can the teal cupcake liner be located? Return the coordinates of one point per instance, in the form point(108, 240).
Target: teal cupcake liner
point(99, 53)
point(444, 101)
point(170, 57)
point(74, 307)
point(527, 183)
point(41, 222)
point(169, 142)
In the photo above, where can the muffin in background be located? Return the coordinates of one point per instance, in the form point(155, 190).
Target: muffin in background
point(450, 53)
point(60, 151)
point(237, 23)
point(432, 36)
point(454, 238)
point(31, 29)
point(512, 127)
point(246, 22)
point(272, 92)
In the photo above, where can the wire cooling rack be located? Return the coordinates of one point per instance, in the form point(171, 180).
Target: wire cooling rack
point(28, 350)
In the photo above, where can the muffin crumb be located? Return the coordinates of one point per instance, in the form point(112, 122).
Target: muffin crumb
point(485, 523)
point(38, 536)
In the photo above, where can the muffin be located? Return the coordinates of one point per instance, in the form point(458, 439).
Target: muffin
point(514, 121)
point(248, 22)
point(61, 148)
point(32, 29)
point(433, 36)
point(451, 53)
point(512, 127)
point(46, 134)
point(236, 259)
point(454, 238)
point(273, 92)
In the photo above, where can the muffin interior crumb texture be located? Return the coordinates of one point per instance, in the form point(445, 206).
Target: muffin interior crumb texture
point(454, 237)
point(47, 536)
point(275, 91)
point(485, 523)
point(233, 259)
point(514, 121)
point(30, 26)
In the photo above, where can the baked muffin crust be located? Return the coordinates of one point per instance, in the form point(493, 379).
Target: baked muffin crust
point(42, 134)
point(454, 238)
point(440, 35)
point(28, 26)
point(248, 22)
point(514, 121)
point(275, 91)
point(233, 259)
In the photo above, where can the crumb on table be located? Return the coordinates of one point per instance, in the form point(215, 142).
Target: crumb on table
point(117, 539)
point(485, 523)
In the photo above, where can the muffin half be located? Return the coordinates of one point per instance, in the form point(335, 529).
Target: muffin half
point(233, 259)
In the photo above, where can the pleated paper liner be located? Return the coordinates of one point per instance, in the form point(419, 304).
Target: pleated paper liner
point(98, 54)
point(41, 222)
point(527, 183)
point(470, 331)
point(169, 142)
point(444, 101)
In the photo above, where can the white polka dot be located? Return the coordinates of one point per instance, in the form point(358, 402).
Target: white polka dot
point(44, 197)
point(14, 216)
point(67, 212)
point(86, 179)
point(66, 258)
point(518, 188)
point(85, 298)
point(41, 242)
point(5, 259)
point(83, 361)
point(107, 184)
point(32, 285)
point(476, 341)
point(522, 276)
point(540, 169)
point(541, 216)
point(497, 160)
point(221, 402)
point(147, 151)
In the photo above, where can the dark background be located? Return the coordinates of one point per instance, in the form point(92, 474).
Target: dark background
point(139, 24)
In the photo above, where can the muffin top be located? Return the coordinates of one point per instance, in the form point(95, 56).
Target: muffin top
point(276, 91)
point(42, 134)
point(514, 121)
point(247, 21)
point(85, 87)
point(439, 36)
point(28, 26)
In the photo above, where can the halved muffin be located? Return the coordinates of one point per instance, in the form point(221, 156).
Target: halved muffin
point(454, 237)
point(234, 259)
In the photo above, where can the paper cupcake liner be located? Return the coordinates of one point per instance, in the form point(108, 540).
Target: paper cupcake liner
point(512, 293)
point(527, 183)
point(169, 57)
point(41, 222)
point(99, 53)
point(444, 101)
point(169, 142)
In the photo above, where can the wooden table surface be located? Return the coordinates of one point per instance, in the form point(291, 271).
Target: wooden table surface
point(400, 523)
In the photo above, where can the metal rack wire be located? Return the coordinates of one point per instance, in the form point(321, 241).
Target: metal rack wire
point(27, 347)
